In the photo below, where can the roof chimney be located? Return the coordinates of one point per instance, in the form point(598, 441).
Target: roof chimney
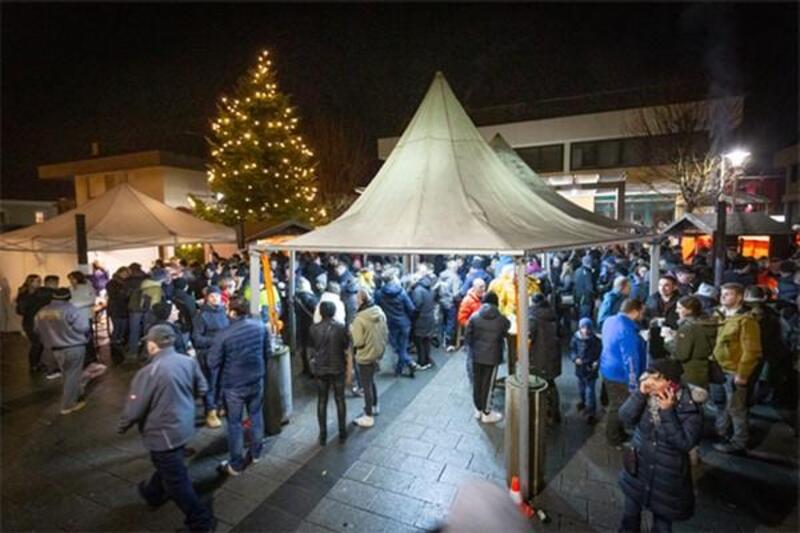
point(95, 148)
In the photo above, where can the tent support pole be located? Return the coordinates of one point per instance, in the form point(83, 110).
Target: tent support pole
point(523, 371)
point(82, 245)
point(255, 282)
point(655, 269)
point(290, 303)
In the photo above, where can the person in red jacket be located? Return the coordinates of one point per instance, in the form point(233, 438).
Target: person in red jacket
point(470, 305)
point(472, 301)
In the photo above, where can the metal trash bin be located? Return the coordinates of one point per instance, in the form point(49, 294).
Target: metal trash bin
point(277, 390)
point(536, 425)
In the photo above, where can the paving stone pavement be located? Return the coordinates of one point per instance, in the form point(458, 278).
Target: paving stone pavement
point(75, 473)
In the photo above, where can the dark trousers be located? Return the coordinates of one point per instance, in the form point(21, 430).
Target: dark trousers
point(325, 383)
point(449, 325)
point(251, 398)
point(632, 519)
point(35, 350)
point(423, 345)
point(482, 382)
point(398, 339)
point(617, 394)
point(171, 480)
point(211, 397)
point(370, 390)
point(134, 331)
point(553, 399)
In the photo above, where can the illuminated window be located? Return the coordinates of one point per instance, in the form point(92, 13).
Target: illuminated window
point(39, 216)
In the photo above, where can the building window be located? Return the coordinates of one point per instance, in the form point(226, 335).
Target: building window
point(548, 158)
point(39, 217)
point(633, 151)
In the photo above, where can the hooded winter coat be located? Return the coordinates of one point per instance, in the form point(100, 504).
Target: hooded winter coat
point(588, 351)
point(546, 346)
point(424, 319)
point(369, 333)
point(693, 346)
point(485, 335)
point(396, 305)
point(663, 438)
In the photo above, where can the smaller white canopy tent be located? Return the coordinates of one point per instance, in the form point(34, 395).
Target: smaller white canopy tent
point(122, 226)
point(540, 187)
point(121, 218)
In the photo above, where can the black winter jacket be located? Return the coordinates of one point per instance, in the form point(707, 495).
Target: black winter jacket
point(655, 307)
point(424, 319)
point(328, 343)
point(546, 348)
point(486, 331)
point(663, 481)
point(304, 305)
point(118, 291)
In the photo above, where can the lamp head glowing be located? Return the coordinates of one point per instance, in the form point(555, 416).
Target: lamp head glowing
point(737, 157)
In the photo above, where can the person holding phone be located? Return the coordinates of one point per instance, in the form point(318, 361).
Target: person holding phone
point(667, 415)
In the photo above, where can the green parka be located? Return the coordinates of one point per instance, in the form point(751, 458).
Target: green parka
point(693, 346)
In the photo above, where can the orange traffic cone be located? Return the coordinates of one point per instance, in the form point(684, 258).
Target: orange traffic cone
point(516, 497)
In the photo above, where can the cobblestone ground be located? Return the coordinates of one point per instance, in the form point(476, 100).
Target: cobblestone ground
point(75, 473)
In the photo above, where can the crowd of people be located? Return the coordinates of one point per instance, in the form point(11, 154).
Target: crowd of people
point(661, 352)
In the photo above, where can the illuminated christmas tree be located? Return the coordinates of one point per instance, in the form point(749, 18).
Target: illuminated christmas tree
point(260, 168)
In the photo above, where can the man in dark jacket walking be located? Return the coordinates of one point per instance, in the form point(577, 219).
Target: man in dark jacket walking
point(305, 302)
point(186, 304)
point(328, 343)
point(238, 356)
point(399, 310)
point(485, 337)
point(546, 352)
point(161, 403)
point(209, 322)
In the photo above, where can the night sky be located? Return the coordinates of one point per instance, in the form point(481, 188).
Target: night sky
point(137, 77)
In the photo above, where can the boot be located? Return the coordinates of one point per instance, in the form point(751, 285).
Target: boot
point(212, 420)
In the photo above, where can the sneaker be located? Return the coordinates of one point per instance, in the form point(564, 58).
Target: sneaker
point(212, 420)
point(477, 414)
point(225, 466)
point(491, 418)
point(590, 420)
point(141, 489)
point(77, 407)
point(53, 374)
point(364, 421)
point(727, 447)
point(450, 349)
point(358, 393)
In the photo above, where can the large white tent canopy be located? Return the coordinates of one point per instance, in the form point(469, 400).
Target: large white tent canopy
point(540, 187)
point(122, 218)
point(444, 190)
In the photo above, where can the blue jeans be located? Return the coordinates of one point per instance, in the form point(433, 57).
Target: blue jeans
point(632, 519)
point(449, 325)
point(586, 393)
point(134, 332)
point(236, 400)
point(398, 339)
point(120, 330)
point(171, 480)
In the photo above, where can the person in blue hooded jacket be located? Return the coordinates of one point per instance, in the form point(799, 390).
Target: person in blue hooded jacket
point(584, 351)
point(399, 311)
point(622, 360)
point(208, 323)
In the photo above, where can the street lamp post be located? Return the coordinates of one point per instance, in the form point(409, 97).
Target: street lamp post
point(736, 158)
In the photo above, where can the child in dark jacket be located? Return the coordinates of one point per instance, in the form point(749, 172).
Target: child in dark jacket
point(584, 350)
